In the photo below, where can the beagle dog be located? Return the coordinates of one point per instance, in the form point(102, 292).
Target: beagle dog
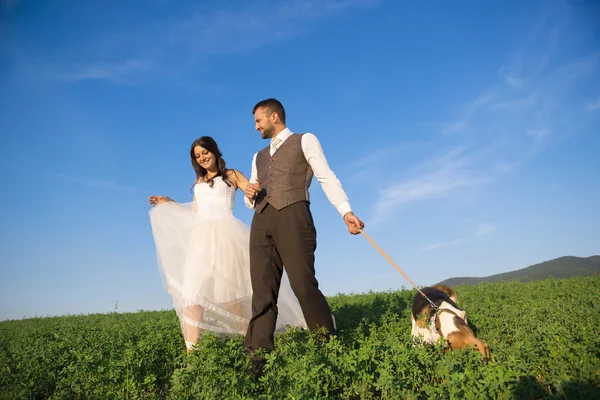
point(449, 321)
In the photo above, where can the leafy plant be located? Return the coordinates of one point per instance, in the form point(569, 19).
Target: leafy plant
point(544, 338)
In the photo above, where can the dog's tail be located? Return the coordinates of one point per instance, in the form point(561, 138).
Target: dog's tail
point(446, 289)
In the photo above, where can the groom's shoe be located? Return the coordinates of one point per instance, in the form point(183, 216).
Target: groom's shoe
point(258, 366)
point(257, 363)
point(322, 335)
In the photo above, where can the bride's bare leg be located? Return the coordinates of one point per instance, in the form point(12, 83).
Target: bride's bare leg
point(193, 314)
point(237, 308)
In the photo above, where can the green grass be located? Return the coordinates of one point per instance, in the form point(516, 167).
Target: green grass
point(544, 337)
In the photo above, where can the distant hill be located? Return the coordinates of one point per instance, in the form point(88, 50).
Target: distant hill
point(562, 267)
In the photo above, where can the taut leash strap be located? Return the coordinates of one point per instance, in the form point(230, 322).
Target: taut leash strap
point(396, 266)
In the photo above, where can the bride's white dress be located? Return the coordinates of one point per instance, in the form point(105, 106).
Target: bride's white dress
point(203, 258)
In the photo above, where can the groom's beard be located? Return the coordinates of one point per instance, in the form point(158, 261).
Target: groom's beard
point(268, 133)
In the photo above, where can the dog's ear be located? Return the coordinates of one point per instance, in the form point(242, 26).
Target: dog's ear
point(486, 352)
point(483, 348)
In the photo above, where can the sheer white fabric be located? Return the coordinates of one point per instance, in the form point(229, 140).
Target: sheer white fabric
point(204, 264)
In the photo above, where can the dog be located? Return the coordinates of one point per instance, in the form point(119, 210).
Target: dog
point(449, 322)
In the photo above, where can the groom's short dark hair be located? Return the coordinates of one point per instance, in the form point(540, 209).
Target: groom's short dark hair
point(271, 105)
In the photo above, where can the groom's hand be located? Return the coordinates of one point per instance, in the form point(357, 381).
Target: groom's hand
point(354, 224)
point(252, 190)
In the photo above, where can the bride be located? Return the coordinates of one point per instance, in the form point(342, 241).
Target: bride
point(203, 255)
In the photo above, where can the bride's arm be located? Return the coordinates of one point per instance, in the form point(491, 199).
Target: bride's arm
point(194, 205)
point(238, 179)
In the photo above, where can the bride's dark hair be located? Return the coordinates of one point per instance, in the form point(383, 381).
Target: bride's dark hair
point(209, 144)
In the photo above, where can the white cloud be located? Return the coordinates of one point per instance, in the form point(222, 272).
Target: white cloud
point(482, 230)
point(503, 167)
point(363, 168)
point(92, 183)
point(539, 135)
point(593, 105)
point(534, 102)
point(113, 72)
point(183, 43)
point(513, 81)
point(380, 155)
point(471, 109)
point(435, 178)
point(258, 23)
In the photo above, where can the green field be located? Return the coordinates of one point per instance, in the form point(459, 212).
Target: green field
point(544, 337)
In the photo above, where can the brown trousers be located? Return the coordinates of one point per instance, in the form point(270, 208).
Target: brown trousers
point(285, 238)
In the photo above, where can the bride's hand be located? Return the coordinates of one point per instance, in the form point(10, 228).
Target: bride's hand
point(156, 200)
point(252, 190)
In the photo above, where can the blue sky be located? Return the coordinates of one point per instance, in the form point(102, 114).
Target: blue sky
point(466, 137)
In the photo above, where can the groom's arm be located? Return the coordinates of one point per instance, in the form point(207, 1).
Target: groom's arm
point(331, 184)
point(253, 179)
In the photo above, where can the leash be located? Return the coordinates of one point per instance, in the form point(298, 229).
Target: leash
point(431, 303)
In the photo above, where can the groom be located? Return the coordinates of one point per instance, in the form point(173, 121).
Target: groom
point(282, 231)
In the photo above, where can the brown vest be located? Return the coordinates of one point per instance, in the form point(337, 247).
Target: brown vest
point(285, 177)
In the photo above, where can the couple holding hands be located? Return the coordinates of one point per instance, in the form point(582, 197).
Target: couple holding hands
point(226, 278)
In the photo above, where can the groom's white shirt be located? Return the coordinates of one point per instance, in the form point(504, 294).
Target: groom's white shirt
point(311, 147)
